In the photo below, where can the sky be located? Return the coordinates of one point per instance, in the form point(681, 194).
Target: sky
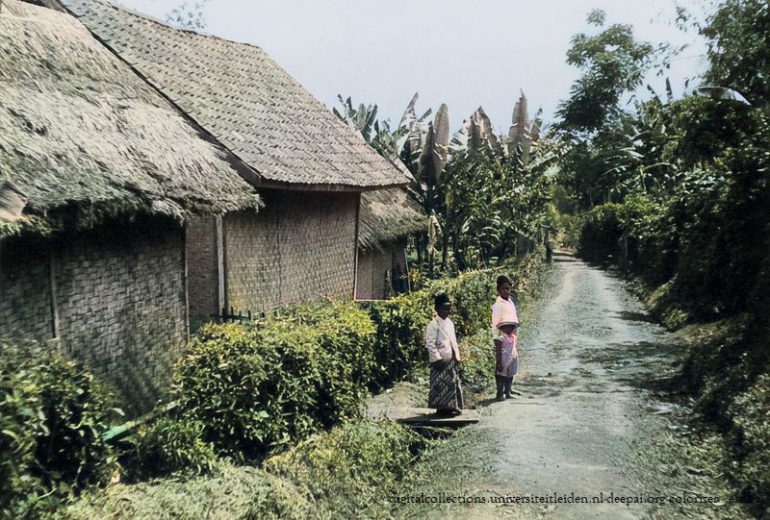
point(465, 53)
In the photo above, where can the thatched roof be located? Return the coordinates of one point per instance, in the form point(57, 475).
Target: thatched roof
point(387, 215)
point(245, 100)
point(80, 128)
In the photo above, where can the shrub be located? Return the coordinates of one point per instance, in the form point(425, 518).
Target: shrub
point(649, 239)
point(260, 385)
point(354, 467)
point(230, 492)
point(52, 417)
point(170, 446)
point(401, 321)
point(478, 361)
point(600, 235)
point(751, 443)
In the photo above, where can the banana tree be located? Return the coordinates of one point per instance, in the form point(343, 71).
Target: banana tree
point(523, 133)
point(362, 119)
point(477, 187)
point(425, 152)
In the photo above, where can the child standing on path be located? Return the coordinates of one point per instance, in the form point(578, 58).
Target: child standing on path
point(505, 322)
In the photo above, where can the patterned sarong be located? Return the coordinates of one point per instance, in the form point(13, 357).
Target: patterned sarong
point(507, 362)
point(445, 390)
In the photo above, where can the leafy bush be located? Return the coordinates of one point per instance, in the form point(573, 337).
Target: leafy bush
point(649, 240)
point(401, 321)
point(354, 467)
point(230, 492)
point(398, 345)
point(52, 417)
point(600, 235)
point(168, 446)
point(476, 370)
point(751, 443)
point(260, 385)
point(345, 473)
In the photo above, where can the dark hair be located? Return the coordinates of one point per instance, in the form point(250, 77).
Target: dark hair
point(440, 300)
point(503, 279)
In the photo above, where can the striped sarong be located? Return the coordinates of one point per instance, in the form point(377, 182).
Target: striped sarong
point(445, 390)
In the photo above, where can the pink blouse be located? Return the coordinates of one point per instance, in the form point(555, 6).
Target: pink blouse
point(503, 311)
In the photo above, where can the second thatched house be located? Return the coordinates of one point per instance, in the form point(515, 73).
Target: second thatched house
point(98, 176)
point(310, 168)
point(388, 218)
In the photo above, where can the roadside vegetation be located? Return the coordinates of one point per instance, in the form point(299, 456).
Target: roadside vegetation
point(676, 192)
point(269, 417)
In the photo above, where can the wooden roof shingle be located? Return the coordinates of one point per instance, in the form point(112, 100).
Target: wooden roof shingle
point(245, 100)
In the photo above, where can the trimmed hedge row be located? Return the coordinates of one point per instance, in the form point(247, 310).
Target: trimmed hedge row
point(401, 320)
point(347, 473)
point(259, 386)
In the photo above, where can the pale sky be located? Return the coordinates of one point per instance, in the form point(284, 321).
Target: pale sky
point(465, 53)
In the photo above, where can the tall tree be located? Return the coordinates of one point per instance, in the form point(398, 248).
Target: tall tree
point(612, 63)
point(738, 36)
point(592, 125)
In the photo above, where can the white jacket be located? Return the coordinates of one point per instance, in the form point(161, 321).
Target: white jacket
point(440, 334)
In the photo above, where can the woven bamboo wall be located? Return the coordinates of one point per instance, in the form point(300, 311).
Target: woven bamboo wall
point(300, 246)
point(122, 309)
point(120, 303)
point(202, 272)
point(25, 292)
point(372, 266)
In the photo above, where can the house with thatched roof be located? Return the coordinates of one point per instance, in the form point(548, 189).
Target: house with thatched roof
point(98, 176)
point(388, 218)
point(310, 167)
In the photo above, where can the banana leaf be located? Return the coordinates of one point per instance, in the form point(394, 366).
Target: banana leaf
point(721, 93)
point(480, 131)
point(519, 124)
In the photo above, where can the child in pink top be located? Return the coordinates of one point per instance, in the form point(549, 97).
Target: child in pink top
point(505, 322)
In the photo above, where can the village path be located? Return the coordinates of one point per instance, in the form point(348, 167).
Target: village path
point(589, 422)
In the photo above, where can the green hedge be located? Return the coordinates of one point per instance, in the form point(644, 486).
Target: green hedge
point(242, 391)
point(600, 234)
point(353, 469)
point(168, 446)
point(52, 417)
point(750, 444)
point(258, 386)
point(401, 321)
point(346, 473)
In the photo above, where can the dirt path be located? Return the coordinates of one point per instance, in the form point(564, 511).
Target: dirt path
point(587, 426)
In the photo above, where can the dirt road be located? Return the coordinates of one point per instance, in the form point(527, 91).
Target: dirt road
point(588, 425)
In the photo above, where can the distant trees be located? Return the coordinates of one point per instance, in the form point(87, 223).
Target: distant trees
point(482, 192)
point(738, 50)
point(680, 187)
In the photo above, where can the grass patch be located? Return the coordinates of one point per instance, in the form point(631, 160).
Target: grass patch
point(345, 473)
point(229, 493)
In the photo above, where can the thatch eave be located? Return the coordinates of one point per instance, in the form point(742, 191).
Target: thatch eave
point(387, 216)
point(81, 129)
point(250, 105)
